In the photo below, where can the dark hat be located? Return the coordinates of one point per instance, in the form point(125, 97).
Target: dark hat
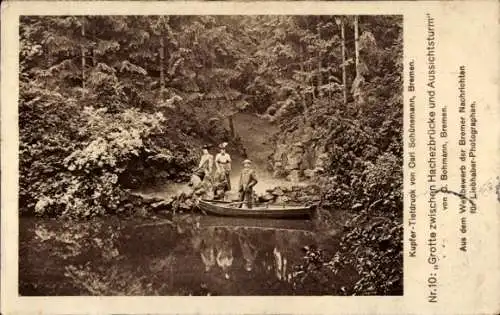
point(205, 146)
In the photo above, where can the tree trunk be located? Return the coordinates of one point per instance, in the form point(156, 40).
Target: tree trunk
point(94, 59)
point(311, 81)
point(320, 79)
point(162, 74)
point(356, 43)
point(329, 91)
point(304, 100)
point(83, 56)
point(356, 89)
point(231, 126)
point(344, 74)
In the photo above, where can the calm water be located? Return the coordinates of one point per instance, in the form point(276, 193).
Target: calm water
point(190, 255)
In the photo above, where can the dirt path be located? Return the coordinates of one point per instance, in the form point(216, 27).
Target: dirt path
point(255, 134)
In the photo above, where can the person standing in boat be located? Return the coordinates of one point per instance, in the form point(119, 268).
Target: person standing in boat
point(248, 179)
point(220, 185)
point(223, 165)
point(206, 163)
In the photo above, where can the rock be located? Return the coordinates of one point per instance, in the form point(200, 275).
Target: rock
point(277, 192)
point(309, 173)
point(151, 199)
point(319, 170)
point(294, 162)
point(279, 173)
point(299, 144)
point(308, 134)
point(141, 212)
point(294, 176)
point(284, 189)
point(280, 151)
point(322, 160)
point(315, 198)
point(296, 188)
point(278, 170)
point(162, 204)
point(295, 157)
point(186, 205)
point(267, 197)
point(282, 199)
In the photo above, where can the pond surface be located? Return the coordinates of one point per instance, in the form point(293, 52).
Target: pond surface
point(189, 255)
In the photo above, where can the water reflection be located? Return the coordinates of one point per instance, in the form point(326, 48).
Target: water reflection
point(258, 247)
point(195, 256)
point(206, 247)
point(248, 251)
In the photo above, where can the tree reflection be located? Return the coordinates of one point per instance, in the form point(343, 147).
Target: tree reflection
point(224, 250)
point(207, 249)
point(248, 250)
point(280, 260)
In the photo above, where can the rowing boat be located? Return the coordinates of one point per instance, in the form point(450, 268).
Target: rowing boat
point(232, 209)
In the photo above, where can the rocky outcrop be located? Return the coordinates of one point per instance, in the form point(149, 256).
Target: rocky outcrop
point(297, 194)
point(299, 154)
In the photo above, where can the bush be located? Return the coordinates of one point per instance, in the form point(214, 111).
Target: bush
point(370, 256)
point(86, 183)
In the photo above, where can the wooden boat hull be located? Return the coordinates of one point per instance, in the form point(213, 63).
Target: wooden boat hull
point(226, 208)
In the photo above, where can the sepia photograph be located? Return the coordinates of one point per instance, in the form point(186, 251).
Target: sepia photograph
point(210, 155)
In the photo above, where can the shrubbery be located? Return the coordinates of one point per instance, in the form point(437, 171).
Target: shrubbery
point(74, 157)
point(363, 138)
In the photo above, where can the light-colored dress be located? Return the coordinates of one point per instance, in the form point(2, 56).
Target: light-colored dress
point(223, 161)
point(223, 164)
point(206, 164)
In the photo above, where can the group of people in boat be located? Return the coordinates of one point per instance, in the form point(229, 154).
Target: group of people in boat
point(212, 179)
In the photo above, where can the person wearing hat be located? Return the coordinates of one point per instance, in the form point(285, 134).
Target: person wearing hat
point(248, 179)
point(223, 165)
point(206, 163)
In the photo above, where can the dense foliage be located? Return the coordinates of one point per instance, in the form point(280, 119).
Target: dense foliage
point(95, 115)
point(115, 102)
point(301, 84)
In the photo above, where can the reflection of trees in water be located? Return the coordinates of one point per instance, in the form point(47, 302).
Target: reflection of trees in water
point(215, 247)
point(279, 253)
point(224, 250)
point(207, 248)
point(248, 251)
point(265, 253)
